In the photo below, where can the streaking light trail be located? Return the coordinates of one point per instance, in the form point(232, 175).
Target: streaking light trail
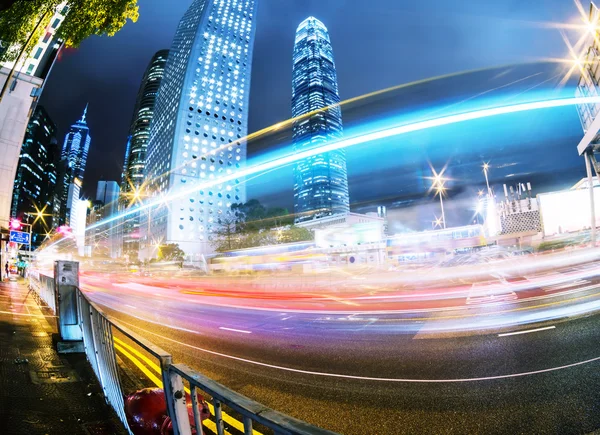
point(353, 141)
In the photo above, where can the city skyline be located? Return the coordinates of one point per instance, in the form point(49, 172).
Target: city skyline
point(274, 43)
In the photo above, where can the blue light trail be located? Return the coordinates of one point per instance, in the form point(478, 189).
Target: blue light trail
point(353, 141)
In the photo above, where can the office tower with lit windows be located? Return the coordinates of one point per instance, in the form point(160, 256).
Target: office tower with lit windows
point(74, 157)
point(107, 236)
point(321, 181)
point(36, 176)
point(135, 154)
point(197, 138)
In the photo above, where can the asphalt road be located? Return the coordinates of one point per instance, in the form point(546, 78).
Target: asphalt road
point(452, 369)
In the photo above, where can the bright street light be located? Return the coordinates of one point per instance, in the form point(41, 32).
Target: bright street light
point(438, 185)
point(486, 167)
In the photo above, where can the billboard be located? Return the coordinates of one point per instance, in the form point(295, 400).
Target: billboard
point(568, 211)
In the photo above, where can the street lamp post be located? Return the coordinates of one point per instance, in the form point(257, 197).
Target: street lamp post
point(438, 185)
point(486, 166)
point(440, 191)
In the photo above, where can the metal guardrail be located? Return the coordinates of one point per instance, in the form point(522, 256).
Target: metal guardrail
point(99, 345)
point(250, 410)
point(44, 287)
point(100, 351)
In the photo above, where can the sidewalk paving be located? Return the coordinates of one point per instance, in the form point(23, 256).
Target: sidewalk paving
point(42, 392)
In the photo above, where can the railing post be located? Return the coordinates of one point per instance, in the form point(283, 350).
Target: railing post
point(247, 425)
point(219, 417)
point(196, 409)
point(175, 398)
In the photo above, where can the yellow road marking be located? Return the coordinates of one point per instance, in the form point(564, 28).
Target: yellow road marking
point(121, 346)
point(140, 366)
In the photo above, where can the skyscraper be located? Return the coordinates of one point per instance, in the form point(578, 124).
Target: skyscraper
point(199, 126)
point(135, 154)
point(320, 182)
point(107, 194)
point(36, 176)
point(76, 146)
point(74, 158)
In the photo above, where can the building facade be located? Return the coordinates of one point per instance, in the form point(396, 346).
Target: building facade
point(197, 138)
point(74, 158)
point(110, 233)
point(321, 181)
point(36, 177)
point(590, 75)
point(135, 154)
point(20, 95)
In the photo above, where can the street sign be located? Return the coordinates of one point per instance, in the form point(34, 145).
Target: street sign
point(19, 237)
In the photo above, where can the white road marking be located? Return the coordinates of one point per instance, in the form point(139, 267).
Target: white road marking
point(131, 306)
point(235, 330)
point(506, 334)
point(370, 378)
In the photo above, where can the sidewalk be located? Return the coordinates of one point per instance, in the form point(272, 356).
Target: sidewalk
point(42, 392)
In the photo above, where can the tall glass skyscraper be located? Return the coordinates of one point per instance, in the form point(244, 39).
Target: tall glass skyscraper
point(74, 156)
point(320, 182)
point(135, 154)
point(36, 177)
point(200, 121)
point(76, 146)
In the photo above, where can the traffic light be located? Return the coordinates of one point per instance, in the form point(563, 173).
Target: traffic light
point(15, 224)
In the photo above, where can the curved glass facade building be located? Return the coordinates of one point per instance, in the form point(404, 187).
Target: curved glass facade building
point(199, 125)
point(320, 182)
point(135, 153)
point(135, 157)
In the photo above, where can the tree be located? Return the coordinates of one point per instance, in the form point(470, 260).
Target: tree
point(170, 252)
point(253, 216)
point(295, 234)
point(226, 237)
point(83, 19)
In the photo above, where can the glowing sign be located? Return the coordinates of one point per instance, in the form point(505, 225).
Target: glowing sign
point(568, 211)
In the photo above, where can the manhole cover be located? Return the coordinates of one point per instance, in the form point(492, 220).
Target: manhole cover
point(53, 376)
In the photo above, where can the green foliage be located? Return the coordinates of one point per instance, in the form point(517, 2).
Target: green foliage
point(253, 216)
point(19, 21)
point(84, 18)
point(257, 225)
point(170, 252)
point(96, 17)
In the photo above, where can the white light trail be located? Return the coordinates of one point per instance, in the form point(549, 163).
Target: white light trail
point(350, 142)
point(235, 330)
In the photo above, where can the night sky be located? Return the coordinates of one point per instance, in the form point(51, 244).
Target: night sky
point(377, 44)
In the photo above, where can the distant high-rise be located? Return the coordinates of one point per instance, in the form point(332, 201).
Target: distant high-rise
point(74, 157)
point(200, 122)
point(36, 176)
point(321, 181)
point(107, 194)
point(135, 154)
point(76, 146)
point(139, 132)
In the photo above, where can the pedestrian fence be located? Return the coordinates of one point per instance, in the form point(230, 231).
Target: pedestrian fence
point(44, 287)
point(246, 415)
